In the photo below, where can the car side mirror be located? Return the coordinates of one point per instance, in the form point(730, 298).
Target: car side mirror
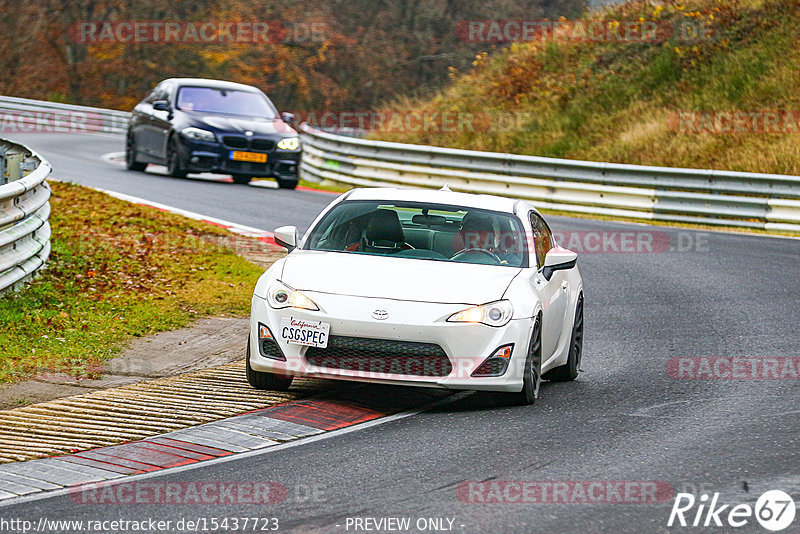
point(161, 105)
point(558, 259)
point(288, 118)
point(286, 237)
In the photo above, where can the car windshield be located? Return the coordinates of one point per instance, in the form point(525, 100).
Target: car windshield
point(231, 102)
point(422, 231)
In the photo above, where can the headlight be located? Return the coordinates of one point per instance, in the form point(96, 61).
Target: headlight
point(198, 135)
point(493, 314)
point(282, 296)
point(289, 143)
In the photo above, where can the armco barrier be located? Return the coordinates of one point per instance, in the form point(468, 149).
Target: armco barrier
point(21, 115)
point(767, 201)
point(24, 210)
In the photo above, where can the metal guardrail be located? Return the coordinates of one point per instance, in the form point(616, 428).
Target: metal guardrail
point(766, 201)
point(21, 115)
point(24, 210)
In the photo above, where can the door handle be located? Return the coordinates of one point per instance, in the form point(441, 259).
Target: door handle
point(564, 284)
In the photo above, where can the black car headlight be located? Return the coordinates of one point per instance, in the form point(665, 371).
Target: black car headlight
point(196, 134)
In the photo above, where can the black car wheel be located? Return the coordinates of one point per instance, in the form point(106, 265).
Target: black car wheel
point(266, 381)
point(130, 156)
point(241, 179)
point(569, 371)
point(174, 164)
point(531, 377)
point(286, 184)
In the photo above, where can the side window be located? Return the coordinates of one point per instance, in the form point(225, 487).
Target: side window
point(542, 239)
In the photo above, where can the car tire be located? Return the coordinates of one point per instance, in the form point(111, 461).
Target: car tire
point(286, 184)
point(569, 371)
point(130, 156)
point(266, 381)
point(531, 377)
point(175, 166)
point(241, 180)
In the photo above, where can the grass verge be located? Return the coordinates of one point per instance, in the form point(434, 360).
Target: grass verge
point(117, 271)
point(628, 101)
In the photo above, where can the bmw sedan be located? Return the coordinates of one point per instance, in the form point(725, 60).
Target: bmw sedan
point(420, 288)
point(198, 125)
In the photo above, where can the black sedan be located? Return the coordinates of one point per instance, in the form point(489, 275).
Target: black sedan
point(198, 125)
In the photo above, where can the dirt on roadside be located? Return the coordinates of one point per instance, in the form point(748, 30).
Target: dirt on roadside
point(206, 343)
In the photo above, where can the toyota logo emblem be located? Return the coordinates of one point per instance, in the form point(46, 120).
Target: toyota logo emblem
point(380, 315)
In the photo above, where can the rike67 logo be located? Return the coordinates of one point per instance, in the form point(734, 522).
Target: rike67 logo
point(774, 510)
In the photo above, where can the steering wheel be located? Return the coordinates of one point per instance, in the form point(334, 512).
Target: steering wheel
point(465, 251)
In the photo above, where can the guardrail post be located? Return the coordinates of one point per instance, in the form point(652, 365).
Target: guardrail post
point(3, 179)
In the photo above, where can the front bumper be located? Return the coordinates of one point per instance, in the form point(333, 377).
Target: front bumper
point(466, 345)
point(214, 158)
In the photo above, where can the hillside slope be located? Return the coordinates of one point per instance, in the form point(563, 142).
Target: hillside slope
point(727, 99)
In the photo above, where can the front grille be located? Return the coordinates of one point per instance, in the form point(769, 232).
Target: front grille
point(262, 144)
point(235, 141)
point(246, 166)
point(381, 356)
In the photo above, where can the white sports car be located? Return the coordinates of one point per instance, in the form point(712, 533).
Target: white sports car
point(420, 288)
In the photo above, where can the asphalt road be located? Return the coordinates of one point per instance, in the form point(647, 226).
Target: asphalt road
point(76, 158)
point(624, 419)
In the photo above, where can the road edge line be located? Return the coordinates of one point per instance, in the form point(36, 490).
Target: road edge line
point(23, 499)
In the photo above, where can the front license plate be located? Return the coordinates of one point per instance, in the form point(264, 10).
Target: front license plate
point(254, 157)
point(308, 333)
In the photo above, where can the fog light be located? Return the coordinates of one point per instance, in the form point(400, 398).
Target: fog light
point(194, 159)
point(497, 363)
point(267, 345)
point(503, 352)
point(289, 143)
point(263, 332)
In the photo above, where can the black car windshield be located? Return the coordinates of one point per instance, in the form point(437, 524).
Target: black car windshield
point(228, 101)
point(422, 231)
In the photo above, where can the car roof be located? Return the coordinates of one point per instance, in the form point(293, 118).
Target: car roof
point(216, 84)
point(468, 200)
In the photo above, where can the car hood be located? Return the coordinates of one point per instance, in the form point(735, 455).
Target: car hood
point(235, 124)
point(396, 278)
